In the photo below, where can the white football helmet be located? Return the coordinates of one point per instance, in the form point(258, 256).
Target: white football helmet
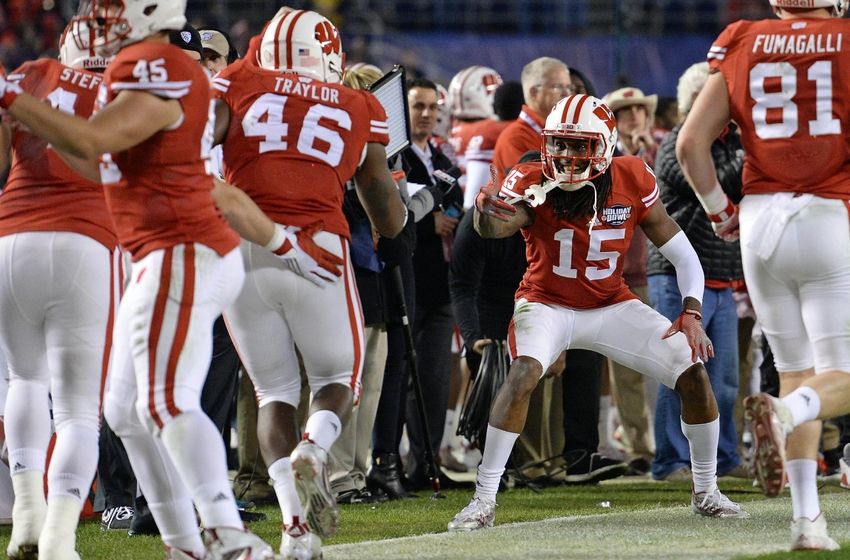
point(471, 92)
point(578, 141)
point(304, 42)
point(838, 6)
point(118, 23)
point(444, 117)
point(76, 47)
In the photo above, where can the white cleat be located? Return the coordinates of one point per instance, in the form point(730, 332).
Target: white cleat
point(18, 551)
point(772, 422)
point(311, 481)
point(811, 535)
point(715, 504)
point(228, 543)
point(844, 464)
point(479, 514)
point(299, 543)
point(180, 554)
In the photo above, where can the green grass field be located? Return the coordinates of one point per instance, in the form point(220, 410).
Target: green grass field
point(642, 519)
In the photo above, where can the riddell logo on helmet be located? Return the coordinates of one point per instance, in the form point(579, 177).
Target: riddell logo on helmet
point(795, 3)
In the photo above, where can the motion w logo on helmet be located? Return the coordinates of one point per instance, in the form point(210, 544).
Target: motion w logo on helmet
point(606, 116)
point(328, 36)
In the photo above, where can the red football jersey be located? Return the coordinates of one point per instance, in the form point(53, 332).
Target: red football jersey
point(476, 140)
point(159, 191)
point(43, 193)
point(293, 142)
point(571, 266)
point(785, 80)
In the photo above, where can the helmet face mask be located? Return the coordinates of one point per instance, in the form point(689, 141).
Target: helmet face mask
point(578, 141)
point(118, 23)
point(304, 42)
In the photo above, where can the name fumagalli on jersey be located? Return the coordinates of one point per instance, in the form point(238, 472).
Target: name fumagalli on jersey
point(616, 215)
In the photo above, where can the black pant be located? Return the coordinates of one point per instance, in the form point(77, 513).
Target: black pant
point(433, 332)
point(390, 415)
point(582, 383)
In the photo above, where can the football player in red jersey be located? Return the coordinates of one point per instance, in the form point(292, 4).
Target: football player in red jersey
point(55, 309)
point(781, 81)
point(148, 144)
point(577, 211)
point(293, 135)
point(475, 128)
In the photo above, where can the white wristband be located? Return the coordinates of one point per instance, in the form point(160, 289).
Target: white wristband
point(714, 201)
point(277, 240)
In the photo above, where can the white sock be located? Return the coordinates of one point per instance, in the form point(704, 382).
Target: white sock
point(30, 507)
point(74, 462)
point(804, 404)
point(177, 524)
point(803, 477)
point(27, 424)
point(323, 427)
point(197, 450)
point(60, 523)
point(703, 440)
point(604, 426)
point(497, 450)
point(167, 495)
point(284, 486)
point(448, 428)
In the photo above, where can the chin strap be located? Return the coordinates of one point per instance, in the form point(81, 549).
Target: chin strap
point(592, 221)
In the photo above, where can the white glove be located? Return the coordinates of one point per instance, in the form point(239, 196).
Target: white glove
point(9, 91)
point(295, 246)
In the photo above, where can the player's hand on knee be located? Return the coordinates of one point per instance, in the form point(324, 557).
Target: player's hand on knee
point(303, 256)
point(689, 323)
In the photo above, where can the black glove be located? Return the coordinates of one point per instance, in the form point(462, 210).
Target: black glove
point(400, 248)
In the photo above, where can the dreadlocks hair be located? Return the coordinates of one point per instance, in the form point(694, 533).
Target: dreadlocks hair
point(579, 204)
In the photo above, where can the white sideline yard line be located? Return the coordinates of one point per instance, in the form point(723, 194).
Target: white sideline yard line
point(664, 533)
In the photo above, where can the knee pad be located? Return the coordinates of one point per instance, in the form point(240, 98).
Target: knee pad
point(283, 390)
point(155, 418)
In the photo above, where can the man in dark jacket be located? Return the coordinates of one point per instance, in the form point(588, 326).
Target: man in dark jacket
point(721, 262)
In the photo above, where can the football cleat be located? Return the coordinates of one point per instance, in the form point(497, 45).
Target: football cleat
point(771, 422)
point(715, 504)
point(314, 490)
point(116, 518)
point(299, 543)
point(22, 551)
point(172, 553)
point(811, 535)
point(229, 543)
point(479, 514)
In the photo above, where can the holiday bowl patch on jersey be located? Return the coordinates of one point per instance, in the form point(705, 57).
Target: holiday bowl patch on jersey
point(616, 215)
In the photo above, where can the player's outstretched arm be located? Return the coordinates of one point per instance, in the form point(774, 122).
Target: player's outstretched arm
point(378, 192)
point(242, 213)
point(489, 225)
point(131, 118)
point(705, 122)
point(674, 245)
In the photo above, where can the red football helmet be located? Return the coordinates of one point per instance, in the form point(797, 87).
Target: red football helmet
point(304, 42)
point(578, 141)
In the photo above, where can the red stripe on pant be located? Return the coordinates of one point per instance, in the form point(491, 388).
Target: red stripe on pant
point(107, 342)
point(156, 329)
point(512, 340)
point(355, 319)
point(184, 316)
